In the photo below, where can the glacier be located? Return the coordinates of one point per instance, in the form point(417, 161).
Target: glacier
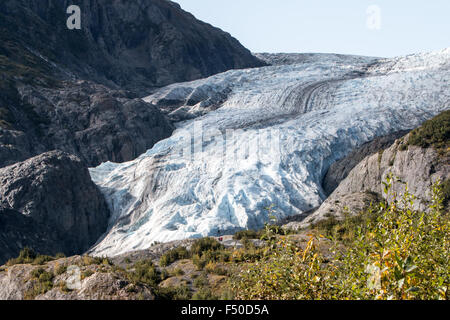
point(252, 138)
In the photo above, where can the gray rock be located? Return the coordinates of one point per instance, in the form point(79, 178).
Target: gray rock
point(14, 147)
point(18, 231)
point(53, 190)
point(339, 170)
point(89, 282)
point(135, 45)
point(139, 46)
point(417, 167)
point(85, 119)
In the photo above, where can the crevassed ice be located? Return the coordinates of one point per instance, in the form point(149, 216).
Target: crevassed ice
point(260, 137)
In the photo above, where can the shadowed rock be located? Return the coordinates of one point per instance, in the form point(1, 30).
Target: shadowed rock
point(61, 206)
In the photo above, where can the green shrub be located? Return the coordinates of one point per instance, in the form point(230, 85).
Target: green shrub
point(61, 269)
point(446, 192)
point(345, 229)
point(247, 234)
point(434, 132)
point(201, 281)
point(173, 255)
point(205, 245)
point(42, 282)
point(395, 252)
point(26, 255)
point(212, 267)
point(42, 259)
point(86, 274)
point(204, 294)
point(205, 250)
point(173, 293)
point(178, 272)
point(145, 272)
point(199, 262)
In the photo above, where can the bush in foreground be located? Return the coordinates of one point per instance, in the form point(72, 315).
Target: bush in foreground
point(401, 254)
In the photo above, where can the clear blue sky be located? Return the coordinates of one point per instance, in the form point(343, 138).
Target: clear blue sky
point(395, 27)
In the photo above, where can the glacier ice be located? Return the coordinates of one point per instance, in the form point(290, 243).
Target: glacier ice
point(250, 138)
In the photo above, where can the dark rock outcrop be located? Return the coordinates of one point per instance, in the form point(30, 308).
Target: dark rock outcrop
point(18, 231)
point(132, 45)
point(419, 168)
point(88, 120)
point(82, 118)
point(128, 44)
point(55, 194)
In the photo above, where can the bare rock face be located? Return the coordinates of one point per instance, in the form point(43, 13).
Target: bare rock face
point(53, 192)
point(135, 45)
point(88, 120)
point(14, 147)
point(339, 170)
point(417, 167)
point(18, 231)
point(95, 123)
point(73, 278)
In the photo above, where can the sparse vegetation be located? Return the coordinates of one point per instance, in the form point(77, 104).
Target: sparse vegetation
point(434, 132)
point(60, 269)
point(204, 294)
point(393, 252)
point(42, 281)
point(173, 255)
point(388, 251)
point(446, 193)
point(178, 272)
point(248, 234)
point(203, 245)
point(201, 281)
point(86, 274)
point(145, 272)
point(27, 255)
point(174, 293)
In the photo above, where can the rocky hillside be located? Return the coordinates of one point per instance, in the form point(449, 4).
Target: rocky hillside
point(418, 159)
point(121, 45)
point(18, 231)
point(73, 278)
point(133, 45)
point(82, 118)
point(339, 170)
point(51, 205)
point(77, 91)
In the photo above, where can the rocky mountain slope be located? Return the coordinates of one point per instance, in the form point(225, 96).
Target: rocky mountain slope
point(18, 231)
point(133, 46)
point(82, 118)
point(412, 161)
point(129, 45)
point(259, 137)
point(73, 278)
point(339, 170)
point(50, 198)
point(78, 91)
